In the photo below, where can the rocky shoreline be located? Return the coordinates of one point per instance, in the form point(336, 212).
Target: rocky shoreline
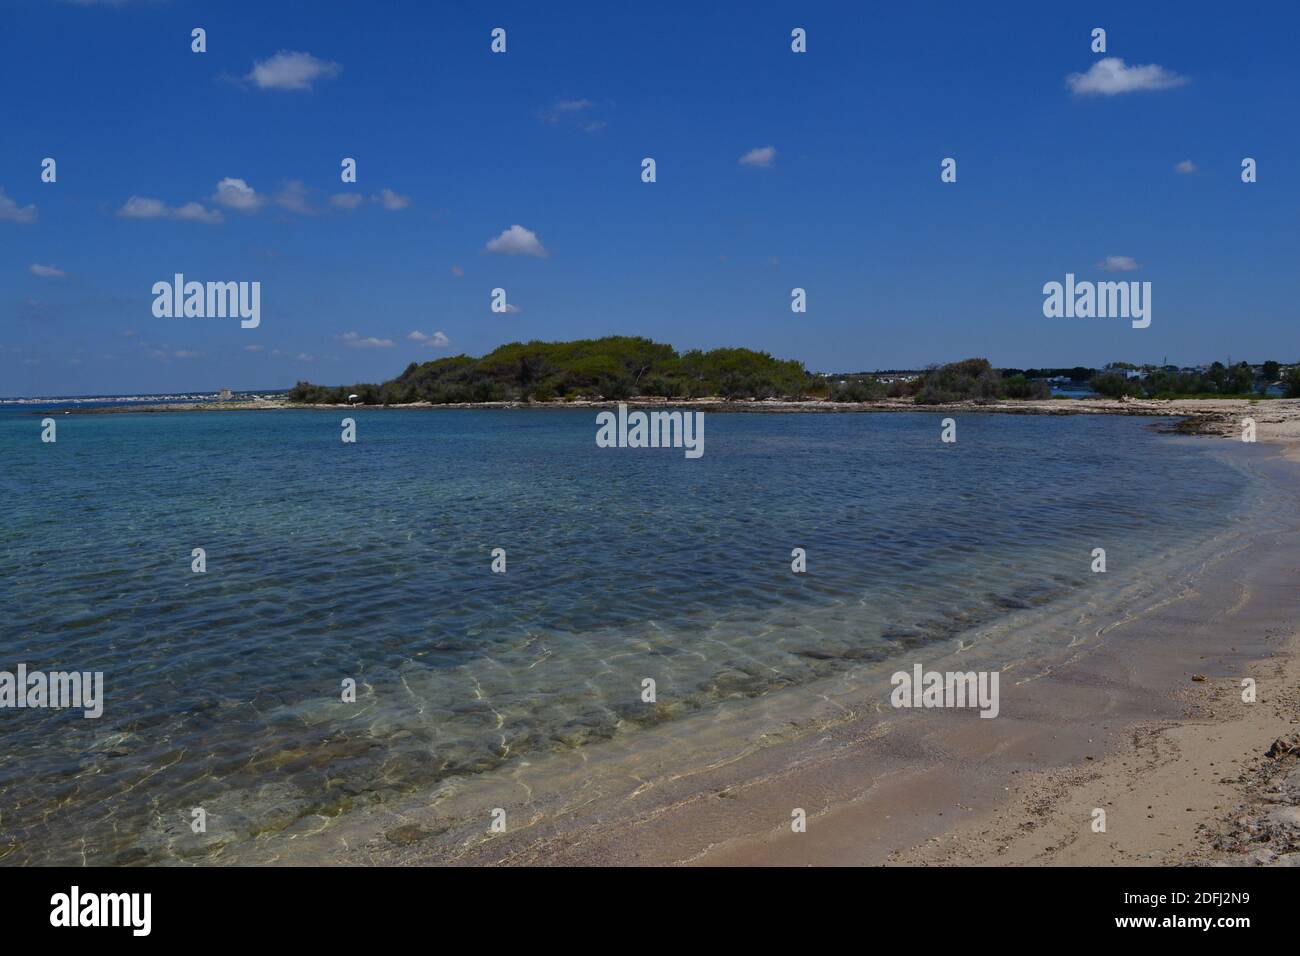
point(1214, 416)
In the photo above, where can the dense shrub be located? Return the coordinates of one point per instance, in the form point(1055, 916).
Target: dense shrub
point(615, 367)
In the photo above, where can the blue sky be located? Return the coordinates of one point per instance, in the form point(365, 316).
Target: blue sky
point(900, 269)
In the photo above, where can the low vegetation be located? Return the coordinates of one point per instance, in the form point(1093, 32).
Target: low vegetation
point(612, 368)
point(1218, 381)
point(616, 368)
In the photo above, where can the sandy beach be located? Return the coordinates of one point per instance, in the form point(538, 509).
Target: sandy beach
point(1218, 784)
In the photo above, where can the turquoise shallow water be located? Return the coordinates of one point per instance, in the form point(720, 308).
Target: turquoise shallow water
point(372, 561)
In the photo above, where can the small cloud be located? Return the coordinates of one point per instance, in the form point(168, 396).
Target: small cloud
point(391, 200)
point(457, 271)
point(254, 348)
point(1118, 264)
point(593, 127)
point(346, 200)
point(196, 212)
point(46, 272)
point(759, 156)
point(354, 341)
point(291, 71)
point(293, 197)
point(1109, 76)
point(12, 212)
point(512, 309)
point(437, 341)
point(563, 108)
point(186, 354)
point(305, 357)
point(518, 241)
point(1185, 168)
point(237, 194)
point(142, 207)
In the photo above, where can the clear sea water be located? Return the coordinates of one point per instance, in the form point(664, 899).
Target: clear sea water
point(371, 561)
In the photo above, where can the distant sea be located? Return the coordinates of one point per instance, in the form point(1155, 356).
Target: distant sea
point(372, 562)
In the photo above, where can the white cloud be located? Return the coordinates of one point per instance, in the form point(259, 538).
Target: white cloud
point(293, 197)
point(236, 194)
point(345, 200)
point(457, 271)
point(1118, 264)
point(254, 348)
point(1109, 76)
point(186, 354)
point(354, 341)
point(391, 200)
point(195, 212)
point(518, 241)
point(46, 272)
point(562, 109)
point(436, 341)
point(304, 357)
point(1186, 167)
point(11, 211)
point(759, 156)
point(142, 207)
point(291, 71)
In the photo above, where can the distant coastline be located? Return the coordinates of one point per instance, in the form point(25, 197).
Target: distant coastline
point(1277, 419)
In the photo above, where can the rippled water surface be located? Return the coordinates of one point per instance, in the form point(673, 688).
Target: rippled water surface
point(371, 561)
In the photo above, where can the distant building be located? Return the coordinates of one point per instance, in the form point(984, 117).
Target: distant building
point(227, 395)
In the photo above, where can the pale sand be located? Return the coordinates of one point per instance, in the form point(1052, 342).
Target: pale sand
point(1192, 791)
point(1198, 790)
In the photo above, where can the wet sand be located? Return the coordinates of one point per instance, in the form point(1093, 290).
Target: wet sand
point(1149, 727)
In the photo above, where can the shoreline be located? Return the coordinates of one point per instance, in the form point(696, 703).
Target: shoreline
point(1277, 419)
point(1217, 784)
point(1124, 723)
